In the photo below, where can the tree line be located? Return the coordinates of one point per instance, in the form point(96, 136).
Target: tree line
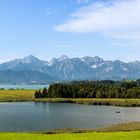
point(92, 89)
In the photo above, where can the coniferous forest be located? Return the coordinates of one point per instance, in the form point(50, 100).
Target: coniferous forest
point(92, 89)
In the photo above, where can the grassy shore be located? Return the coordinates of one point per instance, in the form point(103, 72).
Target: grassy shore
point(28, 95)
point(131, 126)
point(122, 127)
point(126, 131)
point(115, 132)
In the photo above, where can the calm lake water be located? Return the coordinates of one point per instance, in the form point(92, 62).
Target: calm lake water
point(46, 116)
point(23, 86)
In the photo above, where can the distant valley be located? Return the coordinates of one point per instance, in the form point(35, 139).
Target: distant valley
point(30, 70)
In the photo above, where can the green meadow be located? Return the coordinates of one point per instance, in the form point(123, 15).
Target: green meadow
point(16, 95)
point(76, 136)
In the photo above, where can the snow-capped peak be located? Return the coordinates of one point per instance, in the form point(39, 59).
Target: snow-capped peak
point(29, 59)
point(63, 57)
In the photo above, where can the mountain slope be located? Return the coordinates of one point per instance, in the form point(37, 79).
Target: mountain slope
point(20, 77)
point(69, 69)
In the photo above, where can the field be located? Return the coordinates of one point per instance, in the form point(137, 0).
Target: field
point(28, 95)
point(16, 95)
point(133, 135)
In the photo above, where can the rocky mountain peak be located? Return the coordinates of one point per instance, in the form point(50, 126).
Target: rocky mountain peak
point(63, 57)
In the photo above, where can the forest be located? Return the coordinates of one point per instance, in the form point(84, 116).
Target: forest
point(92, 89)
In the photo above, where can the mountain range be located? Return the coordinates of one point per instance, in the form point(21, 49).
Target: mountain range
point(31, 70)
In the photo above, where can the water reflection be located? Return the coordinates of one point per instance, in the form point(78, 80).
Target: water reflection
point(42, 106)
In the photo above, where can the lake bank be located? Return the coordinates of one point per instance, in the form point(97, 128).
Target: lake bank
point(79, 134)
point(94, 101)
point(131, 126)
point(28, 96)
point(125, 131)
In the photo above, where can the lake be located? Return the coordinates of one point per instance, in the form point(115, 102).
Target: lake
point(23, 86)
point(30, 116)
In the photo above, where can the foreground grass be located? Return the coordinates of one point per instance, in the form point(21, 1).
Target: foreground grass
point(28, 95)
point(73, 134)
point(133, 135)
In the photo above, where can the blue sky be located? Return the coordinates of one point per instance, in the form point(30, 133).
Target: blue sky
point(51, 28)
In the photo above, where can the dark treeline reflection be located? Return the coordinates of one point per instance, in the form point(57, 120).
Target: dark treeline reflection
point(92, 89)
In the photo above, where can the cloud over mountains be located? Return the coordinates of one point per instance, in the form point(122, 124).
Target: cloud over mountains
point(113, 18)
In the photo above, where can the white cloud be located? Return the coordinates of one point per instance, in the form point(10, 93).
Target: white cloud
point(115, 18)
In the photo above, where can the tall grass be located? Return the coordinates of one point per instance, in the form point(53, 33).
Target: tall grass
point(16, 95)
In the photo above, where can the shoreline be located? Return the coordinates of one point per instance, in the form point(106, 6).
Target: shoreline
point(101, 102)
point(120, 127)
point(28, 96)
